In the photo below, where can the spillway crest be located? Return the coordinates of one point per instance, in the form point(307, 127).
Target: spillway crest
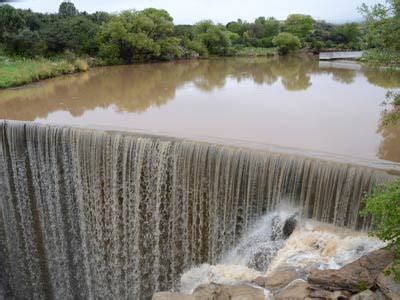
point(93, 214)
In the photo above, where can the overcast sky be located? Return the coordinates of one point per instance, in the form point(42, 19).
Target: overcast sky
point(191, 11)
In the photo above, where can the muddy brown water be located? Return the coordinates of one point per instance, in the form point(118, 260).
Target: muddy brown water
point(297, 103)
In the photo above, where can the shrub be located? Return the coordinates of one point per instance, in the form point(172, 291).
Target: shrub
point(383, 205)
point(286, 43)
point(81, 65)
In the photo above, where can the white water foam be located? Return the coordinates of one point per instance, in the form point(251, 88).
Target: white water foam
point(312, 244)
point(323, 246)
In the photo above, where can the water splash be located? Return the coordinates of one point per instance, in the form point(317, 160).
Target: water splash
point(311, 244)
point(247, 260)
point(90, 214)
point(323, 246)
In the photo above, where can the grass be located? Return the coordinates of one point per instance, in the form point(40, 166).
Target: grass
point(19, 71)
point(252, 51)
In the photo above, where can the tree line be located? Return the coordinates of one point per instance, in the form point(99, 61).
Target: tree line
point(150, 34)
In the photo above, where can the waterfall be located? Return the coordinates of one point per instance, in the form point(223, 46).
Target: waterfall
point(94, 214)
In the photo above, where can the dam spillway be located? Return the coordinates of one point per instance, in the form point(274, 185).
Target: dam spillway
point(94, 214)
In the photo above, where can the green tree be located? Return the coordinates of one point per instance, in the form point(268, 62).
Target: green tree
point(215, 38)
point(74, 33)
point(286, 43)
point(348, 34)
point(321, 36)
point(299, 25)
point(67, 9)
point(156, 23)
point(194, 47)
point(383, 25)
point(11, 21)
point(170, 48)
point(239, 27)
point(138, 36)
point(121, 41)
point(271, 27)
point(182, 31)
point(99, 17)
point(25, 43)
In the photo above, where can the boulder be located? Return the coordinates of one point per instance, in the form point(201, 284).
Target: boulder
point(296, 291)
point(319, 293)
point(278, 279)
point(262, 258)
point(388, 286)
point(215, 291)
point(283, 232)
point(356, 276)
point(171, 296)
point(289, 227)
point(365, 295)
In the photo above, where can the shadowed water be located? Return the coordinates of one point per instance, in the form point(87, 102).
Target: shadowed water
point(89, 214)
point(332, 107)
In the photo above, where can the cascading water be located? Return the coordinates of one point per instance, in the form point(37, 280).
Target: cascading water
point(90, 214)
point(266, 248)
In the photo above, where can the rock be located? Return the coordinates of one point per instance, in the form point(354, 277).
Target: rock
point(286, 230)
point(214, 291)
point(278, 279)
point(171, 296)
point(295, 291)
point(289, 227)
point(388, 286)
point(380, 296)
point(262, 258)
point(365, 295)
point(325, 294)
point(356, 276)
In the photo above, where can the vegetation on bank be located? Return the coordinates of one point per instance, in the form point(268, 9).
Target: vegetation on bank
point(383, 205)
point(254, 51)
point(382, 58)
point(19, 71)
point(382, 33)
point(150, 34)
point(42, 41)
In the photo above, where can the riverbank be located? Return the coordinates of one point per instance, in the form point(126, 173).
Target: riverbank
point(381, 58)
point(19, 71)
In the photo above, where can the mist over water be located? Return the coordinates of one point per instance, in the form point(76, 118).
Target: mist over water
point(91, 214)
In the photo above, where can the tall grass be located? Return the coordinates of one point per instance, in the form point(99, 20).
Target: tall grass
point(19, 71)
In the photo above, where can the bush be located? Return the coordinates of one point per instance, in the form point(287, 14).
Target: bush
point(286, 43)
point(383, 204)
point(81, 65)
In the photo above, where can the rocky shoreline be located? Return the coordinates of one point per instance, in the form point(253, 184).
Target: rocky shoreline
point(362, 279)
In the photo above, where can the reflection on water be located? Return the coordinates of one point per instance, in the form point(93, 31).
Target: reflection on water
point(390, 145)
point(289, 102)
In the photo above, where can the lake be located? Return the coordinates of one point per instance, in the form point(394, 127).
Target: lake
point(292, 102)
